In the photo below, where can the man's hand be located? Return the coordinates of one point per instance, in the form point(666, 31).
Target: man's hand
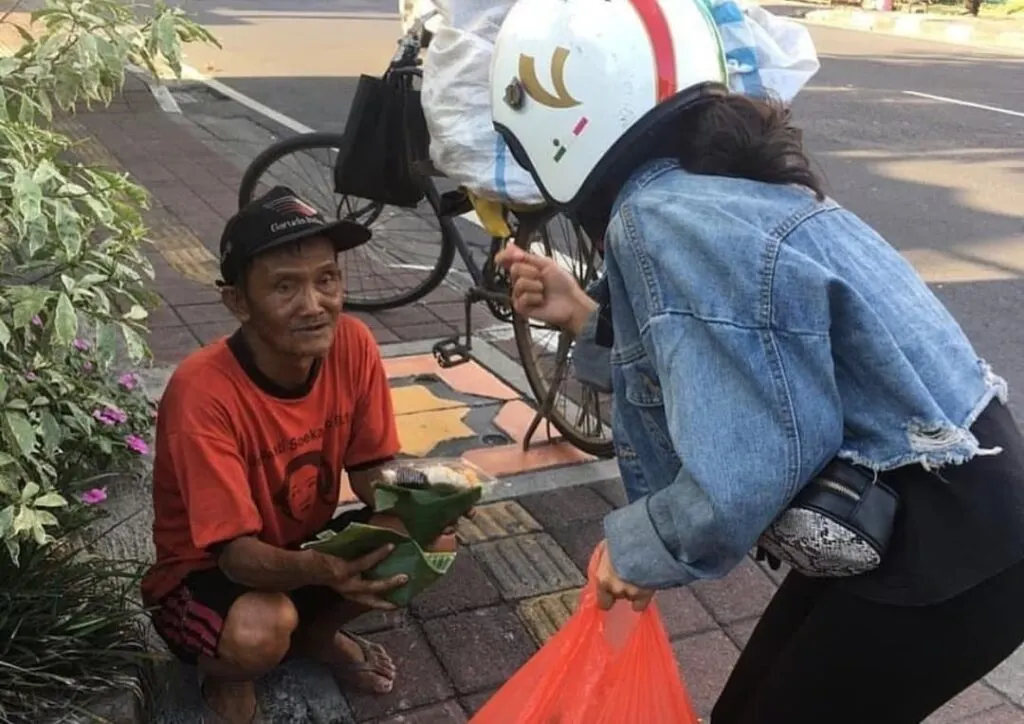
point(544, 291)
point(346, 579)
point(363, 482)
point(611, 588)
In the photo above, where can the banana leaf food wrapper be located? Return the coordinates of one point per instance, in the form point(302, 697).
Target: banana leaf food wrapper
point(425, 497)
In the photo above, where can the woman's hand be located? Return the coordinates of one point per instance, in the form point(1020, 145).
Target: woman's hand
point(544, 291)
point(611, 588)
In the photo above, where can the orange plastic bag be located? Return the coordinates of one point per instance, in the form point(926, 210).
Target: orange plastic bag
point(613, 667)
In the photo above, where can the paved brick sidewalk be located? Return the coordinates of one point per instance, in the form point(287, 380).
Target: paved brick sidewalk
point(513, 584)
point(522, 559)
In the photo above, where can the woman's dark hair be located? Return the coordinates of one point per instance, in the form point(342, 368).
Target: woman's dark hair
point(726, 135)
point(742, 137)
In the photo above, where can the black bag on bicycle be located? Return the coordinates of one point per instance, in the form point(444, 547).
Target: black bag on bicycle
point(384, 134)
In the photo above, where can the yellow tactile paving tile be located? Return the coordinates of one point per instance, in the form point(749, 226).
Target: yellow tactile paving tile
point(497, 520)
point(176, 243)
point(186, 254)
point(544, 616)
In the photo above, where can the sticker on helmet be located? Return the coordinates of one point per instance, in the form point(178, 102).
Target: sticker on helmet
point(563, 147)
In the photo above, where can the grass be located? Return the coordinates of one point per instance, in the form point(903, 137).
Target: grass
point(69, 632)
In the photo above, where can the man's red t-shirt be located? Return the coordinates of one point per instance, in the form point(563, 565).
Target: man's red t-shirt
point(235, 456)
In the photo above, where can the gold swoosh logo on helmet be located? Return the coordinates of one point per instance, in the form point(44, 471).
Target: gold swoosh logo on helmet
point(561, 98)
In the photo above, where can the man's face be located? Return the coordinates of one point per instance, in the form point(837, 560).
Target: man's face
point(292, 298)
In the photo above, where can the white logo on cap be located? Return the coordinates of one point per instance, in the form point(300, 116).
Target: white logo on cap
point(293, 223)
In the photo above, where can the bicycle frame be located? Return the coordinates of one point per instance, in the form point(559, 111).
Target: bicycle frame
point(451, 352)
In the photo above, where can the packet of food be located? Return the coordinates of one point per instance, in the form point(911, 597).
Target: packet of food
point(411, 511)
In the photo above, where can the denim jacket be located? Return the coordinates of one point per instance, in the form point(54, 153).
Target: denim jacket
point(758, 333)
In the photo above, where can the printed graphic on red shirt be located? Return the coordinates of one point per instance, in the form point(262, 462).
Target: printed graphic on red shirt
point(232, 460)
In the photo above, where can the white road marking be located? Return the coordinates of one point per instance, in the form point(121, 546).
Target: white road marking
point(190, 73)
point(968, 104)
point(164, 98)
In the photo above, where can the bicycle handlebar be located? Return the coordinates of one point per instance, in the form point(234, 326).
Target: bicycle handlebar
point(409, 45)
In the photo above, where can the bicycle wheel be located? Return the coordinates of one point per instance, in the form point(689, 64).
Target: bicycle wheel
point(410, 252)
point(579, 412)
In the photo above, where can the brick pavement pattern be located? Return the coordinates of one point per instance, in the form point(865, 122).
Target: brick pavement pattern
point(522, 561)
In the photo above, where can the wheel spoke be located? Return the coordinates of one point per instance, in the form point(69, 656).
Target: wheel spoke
point(406, 257)
point(581, 413)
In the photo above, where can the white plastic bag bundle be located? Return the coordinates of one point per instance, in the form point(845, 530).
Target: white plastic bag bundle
point(409, 11)
point(764, 54)
point(457, 104)
point(481, 17)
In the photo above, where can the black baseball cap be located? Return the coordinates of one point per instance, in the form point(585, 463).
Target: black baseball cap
point(277, 218)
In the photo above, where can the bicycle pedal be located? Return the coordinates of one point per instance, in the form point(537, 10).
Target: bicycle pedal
point(451, 353)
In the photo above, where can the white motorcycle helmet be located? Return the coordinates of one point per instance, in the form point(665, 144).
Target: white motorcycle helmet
point(575, 82)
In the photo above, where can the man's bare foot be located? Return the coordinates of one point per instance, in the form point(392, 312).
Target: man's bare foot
point(228, 702)
point(360, 664)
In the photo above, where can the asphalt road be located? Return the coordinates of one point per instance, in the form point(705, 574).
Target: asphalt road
point(943, 181)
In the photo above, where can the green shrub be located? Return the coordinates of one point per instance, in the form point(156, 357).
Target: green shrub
point(72, 270)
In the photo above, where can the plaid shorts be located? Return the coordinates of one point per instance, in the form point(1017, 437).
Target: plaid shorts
point(190, 618)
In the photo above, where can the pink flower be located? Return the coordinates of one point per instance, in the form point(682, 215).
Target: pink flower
point(81, 345)
point(136, 443)
point(110, 416)
point(87, 366)
point(129, 380)
point(31, 376)
point(94, 496)
point(37, 321)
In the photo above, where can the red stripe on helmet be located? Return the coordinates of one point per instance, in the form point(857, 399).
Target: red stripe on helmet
point(656, 26)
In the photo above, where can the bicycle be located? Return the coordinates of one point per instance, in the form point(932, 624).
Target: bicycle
point(581, 421)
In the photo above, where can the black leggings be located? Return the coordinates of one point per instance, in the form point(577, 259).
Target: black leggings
point(822, 656)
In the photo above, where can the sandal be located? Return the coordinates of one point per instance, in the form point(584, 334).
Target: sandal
point(209, 716)
point(376, 665)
